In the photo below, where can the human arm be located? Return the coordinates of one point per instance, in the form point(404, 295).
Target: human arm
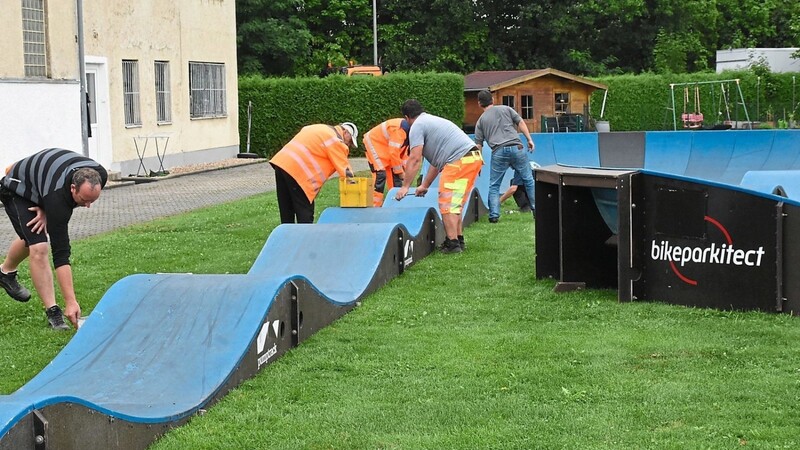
point(412, 168)
point(511, 190)
point(524, 130)
point(337, 154)
point(430, 175)
point(72, 310)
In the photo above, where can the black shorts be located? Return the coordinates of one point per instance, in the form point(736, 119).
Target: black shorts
point(17, 210)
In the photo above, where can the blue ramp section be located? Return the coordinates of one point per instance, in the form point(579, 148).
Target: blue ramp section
point(785, 152)
point(158, 348)
point(325, 249)
point(155, 348)
point(414, 219)
point(785, 183)
point(667, 151)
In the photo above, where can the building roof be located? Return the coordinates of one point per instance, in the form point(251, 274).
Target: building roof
point(498, 79)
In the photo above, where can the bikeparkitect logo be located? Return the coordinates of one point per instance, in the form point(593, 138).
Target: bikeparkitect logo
point(722, 254)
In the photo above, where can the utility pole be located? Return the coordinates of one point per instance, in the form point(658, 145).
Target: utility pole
point(82, 69)
point(375, 31)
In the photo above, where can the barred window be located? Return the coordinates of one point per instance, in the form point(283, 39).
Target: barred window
point(34, 38)
point(163, 93)
point(526, 103)
point(207, 90)
point(130, 92)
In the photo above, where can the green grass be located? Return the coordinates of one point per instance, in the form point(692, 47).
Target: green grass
point(464, 351)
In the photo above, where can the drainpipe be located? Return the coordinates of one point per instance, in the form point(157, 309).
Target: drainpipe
point(82, 69)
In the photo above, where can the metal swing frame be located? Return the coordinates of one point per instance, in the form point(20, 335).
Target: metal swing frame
point(672, 87)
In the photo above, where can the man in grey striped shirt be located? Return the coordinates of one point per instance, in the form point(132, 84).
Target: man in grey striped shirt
point(39, 194)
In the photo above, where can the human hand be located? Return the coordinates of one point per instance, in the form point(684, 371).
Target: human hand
point(531, 146)
point(402, 192)
point(39, 223)
point(420, 191)
point(72, 311)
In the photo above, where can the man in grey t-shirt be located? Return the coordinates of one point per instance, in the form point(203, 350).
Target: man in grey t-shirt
point(499, 126)
point(453, 154)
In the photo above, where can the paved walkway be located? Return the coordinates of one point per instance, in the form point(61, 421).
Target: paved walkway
point(136, 203)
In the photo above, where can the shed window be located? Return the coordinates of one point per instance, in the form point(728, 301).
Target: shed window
point(562, 102)
point(526, 104)
point(508, 100)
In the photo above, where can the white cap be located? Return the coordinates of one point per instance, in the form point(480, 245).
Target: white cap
point(353, 130)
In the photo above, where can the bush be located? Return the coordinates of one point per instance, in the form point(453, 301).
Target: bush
point(644, 102)
point(281, 106)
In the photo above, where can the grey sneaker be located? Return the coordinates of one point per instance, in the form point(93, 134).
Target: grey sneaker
point(56, 318)
point(8, 281)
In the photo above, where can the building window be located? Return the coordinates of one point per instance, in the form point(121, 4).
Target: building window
point(562, 102)
point(508, 100)
point(130, 92)
point(163, 95)
point(526, 102)
point(207, 90)
point(34, 38)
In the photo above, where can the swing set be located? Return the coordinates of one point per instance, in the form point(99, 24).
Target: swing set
point(694, 120)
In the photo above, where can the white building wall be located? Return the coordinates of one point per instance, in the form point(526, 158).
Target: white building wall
point(779, 59)
point(35, 116)
point(179, 32)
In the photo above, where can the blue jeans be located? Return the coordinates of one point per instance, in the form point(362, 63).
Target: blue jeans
point(502, 159)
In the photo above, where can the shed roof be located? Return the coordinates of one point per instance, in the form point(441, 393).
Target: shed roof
point(498, 79)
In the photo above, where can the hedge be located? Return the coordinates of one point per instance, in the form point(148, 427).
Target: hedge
point(282, 106)
point(644, 102)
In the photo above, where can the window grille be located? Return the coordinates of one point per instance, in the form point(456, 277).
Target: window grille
point(130, 91)
point(34, 38)
point(207, 90)
point(562, 102)
point(163, 93)
point(526, 102)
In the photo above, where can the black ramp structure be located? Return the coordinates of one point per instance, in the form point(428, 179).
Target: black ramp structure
point(576, 226)
point(678, 240)
point(705, 244)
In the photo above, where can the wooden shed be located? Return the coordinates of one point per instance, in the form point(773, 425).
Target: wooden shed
point(549, 100)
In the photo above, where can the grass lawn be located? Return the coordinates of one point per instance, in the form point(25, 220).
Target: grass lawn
point(464, 351)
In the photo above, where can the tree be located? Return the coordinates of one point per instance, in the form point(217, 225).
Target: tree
point(272, 36)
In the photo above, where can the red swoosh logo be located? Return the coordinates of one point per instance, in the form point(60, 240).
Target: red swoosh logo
point(725, 233)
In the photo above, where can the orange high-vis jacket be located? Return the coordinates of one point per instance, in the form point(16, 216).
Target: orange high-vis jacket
point(313, 155)
point(384, 146)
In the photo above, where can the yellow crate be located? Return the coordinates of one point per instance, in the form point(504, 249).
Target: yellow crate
point(355, 192)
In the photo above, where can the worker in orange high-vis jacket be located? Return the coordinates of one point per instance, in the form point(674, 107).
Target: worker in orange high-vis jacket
point(386, 147)
point(304, 164)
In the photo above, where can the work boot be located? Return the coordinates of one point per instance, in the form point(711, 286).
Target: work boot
point(56, 318)
point(450, 246)
point(461, 242)
point(9, 282)
point(494, 219)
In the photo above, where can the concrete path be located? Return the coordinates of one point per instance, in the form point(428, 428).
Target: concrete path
point(130, 204)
